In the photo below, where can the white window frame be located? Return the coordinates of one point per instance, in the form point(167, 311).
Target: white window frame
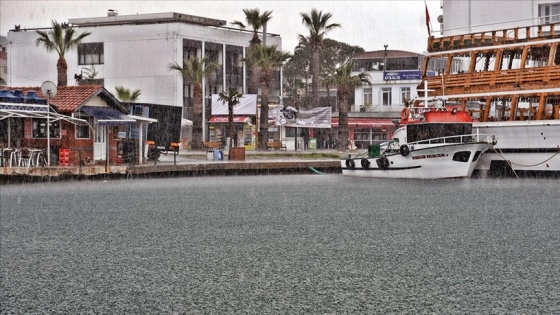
point(549, 12)
point(368, 96)
point(383, 92)
point(405, 93)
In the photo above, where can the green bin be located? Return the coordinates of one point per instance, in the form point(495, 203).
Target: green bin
point(374, 150)
point(312, 145)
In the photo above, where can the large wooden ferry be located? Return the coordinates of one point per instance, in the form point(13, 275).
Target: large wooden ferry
point(509, 81)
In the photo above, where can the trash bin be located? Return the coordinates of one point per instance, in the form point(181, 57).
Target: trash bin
point(374, 150)
point(218, 155)
point(312, 144)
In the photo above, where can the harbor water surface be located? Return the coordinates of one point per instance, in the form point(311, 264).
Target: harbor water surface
point(292, 244)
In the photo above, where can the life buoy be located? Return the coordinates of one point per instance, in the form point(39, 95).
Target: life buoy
point(382, 163)
point(350, 164)
point(404, 149)
point(365, 163)
point(405, 113)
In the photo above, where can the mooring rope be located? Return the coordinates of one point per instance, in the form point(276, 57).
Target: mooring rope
point(316, 171)
point(524, 165)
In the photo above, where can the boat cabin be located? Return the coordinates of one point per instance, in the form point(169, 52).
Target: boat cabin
point(432, 133)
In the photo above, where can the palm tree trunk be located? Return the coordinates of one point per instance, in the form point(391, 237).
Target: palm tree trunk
point(254, 80)
point(232, 138)
point(197, 119)
point(263, 122)
point(342, 142)
point(315, 86)
point(253, 70)
point(62, 68)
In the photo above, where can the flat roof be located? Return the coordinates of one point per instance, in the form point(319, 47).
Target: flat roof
point(150, 18)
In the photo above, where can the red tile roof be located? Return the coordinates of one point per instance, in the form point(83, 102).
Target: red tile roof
point(69, 98)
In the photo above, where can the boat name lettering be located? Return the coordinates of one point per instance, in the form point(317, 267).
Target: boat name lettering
point(428, 156)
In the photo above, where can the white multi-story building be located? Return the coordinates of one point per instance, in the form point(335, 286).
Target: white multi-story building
point(471, 16)
point(394, 76)
point(392, 85)
point(134, 51)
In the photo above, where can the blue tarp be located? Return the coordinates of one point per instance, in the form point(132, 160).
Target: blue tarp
point(107, 116)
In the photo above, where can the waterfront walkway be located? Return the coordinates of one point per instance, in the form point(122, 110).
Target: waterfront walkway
point(190, 163)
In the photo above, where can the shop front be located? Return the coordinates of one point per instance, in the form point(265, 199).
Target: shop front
point(366, 131)
point(244, 134)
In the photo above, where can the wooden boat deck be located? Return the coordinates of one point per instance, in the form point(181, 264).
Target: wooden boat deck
point(492, 75)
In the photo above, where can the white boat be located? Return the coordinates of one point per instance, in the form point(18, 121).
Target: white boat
point(525, 146)
point(443, 148)
point(509, 81)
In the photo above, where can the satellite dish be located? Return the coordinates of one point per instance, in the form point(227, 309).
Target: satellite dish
point(48, 88)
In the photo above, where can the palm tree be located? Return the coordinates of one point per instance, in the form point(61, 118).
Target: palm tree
point(232, 99)
point(345, 82)
point(124, 94)
point(256, 21)
point(318, 25)
point(61, 38)
point(194, 70)
point(304, 65)
point(266, 58)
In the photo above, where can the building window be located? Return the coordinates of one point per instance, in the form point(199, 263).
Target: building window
point(82, 132)
point(90, 54)
point(39, 127)
point(549, 13)
point(405, 95)
point(386, 96)
point(290, 132)
point(367, 96)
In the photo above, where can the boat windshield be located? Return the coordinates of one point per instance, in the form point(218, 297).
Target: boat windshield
point(421, 132)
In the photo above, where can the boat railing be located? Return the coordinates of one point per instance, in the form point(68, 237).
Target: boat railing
point(469, 138)
point(495, 37)
point(509, 79)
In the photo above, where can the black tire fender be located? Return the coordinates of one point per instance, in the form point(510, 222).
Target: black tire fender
point(350, 164)
point(382, 163)
point(404, 150)
point(365, 163)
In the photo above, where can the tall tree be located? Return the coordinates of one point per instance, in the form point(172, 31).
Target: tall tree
point(345, 82)
point(62, 38)
point(125, 95)
point(267, 59)
point(332, 54)
point(255, 20)
point(318, 25)
point(232, 99)
point(194, 70)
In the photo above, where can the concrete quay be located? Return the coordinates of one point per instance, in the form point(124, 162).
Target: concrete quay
point(187, 163)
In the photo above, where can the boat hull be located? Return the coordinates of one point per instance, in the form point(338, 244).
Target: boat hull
point(532, 146)
point(448, 161)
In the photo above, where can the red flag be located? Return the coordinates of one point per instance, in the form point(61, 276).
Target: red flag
point(427, 19)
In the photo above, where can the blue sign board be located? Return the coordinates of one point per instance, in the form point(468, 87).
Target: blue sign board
point(402, 75)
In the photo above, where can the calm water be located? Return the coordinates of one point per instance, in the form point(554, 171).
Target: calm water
point(314, 244)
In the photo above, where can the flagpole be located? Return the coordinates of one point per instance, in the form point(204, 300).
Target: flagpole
point(428, 21)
